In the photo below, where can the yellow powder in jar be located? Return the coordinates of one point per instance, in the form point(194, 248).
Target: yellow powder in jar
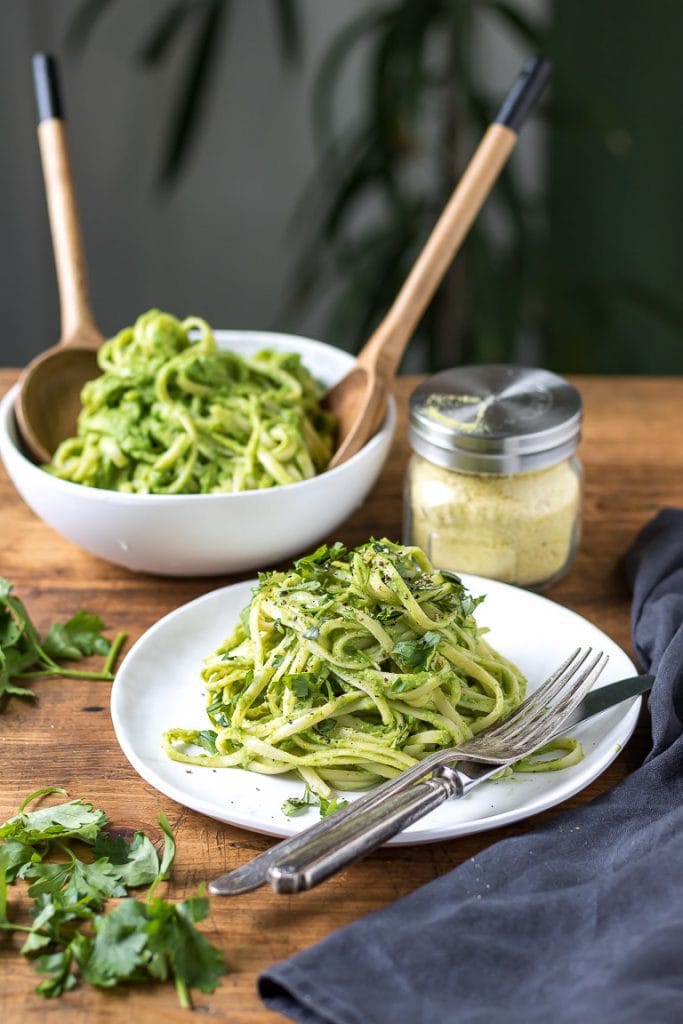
point(520, 528)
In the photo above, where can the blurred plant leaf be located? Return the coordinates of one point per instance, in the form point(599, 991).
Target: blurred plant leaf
point(193, 92)
point(289, 28)
point(164, 32)
point(205, 22)
point(332, 66)
point(83, 21)
point(522, 25)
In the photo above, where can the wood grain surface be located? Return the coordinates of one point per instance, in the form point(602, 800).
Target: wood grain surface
point(632, 452)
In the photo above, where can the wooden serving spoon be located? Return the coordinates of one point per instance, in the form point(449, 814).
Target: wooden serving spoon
point(48, 401)
point(359, 400)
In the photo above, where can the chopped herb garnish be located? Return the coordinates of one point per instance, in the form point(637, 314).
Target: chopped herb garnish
point(302, 685)
point(416, 655)
point(320, 556)
point(296, 805)
point(206, 738)
point(328, 807)
point(401, 684)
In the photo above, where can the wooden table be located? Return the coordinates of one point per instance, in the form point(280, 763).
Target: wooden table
point(632, 453)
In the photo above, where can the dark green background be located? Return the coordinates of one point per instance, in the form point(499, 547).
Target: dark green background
point(615, 217)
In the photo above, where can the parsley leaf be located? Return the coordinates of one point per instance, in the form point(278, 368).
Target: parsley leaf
point(117, 950)
point(76, 819)
point(78, 638)
point(172, 935)
point(17, 857)
point(24, 656)
point(154, 940)
point(298, 805)
point(206, 739)
point(76, 880)
point(416, 655)
point(302, 684)
point(320, 556)
point(57, 966)
point(328, 807)
point(137, 861)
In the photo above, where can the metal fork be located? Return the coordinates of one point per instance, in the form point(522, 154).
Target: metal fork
point(321, 853)
point(256, 872)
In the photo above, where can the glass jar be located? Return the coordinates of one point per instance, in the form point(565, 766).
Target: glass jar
point(493, 486)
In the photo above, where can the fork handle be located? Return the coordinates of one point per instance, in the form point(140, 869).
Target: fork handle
point(324, 856)
point(255, 873)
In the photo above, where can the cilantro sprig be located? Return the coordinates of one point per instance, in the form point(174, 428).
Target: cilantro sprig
point(25, 656)
point(72, 936)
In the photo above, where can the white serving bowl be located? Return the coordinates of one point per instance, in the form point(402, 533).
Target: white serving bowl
point(206, 534)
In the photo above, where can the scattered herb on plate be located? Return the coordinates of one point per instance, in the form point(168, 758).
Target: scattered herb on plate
point(72, 936)
point(25, 656)
point(296, 805)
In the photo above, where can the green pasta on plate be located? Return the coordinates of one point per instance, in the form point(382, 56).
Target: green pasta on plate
point(348, 668)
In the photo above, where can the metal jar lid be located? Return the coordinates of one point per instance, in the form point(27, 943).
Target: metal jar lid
point(495, 419)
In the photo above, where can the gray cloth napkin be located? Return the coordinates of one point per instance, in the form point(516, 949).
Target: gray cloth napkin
point(579, 922)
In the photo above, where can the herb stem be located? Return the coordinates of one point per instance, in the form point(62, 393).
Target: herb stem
point(9, 926)
point(183, 993)
point(114, 651)
point(103, 677)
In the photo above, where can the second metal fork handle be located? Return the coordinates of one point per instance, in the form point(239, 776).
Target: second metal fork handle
point(320, 859)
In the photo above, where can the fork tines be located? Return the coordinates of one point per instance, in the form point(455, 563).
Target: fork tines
point(540, 716)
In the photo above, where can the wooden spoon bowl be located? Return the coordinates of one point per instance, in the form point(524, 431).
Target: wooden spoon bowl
point(48, 401)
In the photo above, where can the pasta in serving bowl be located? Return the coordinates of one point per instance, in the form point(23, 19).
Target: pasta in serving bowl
point(207, 534)
point(174, 413)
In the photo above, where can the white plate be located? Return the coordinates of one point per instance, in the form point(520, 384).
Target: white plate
point(158, 686)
